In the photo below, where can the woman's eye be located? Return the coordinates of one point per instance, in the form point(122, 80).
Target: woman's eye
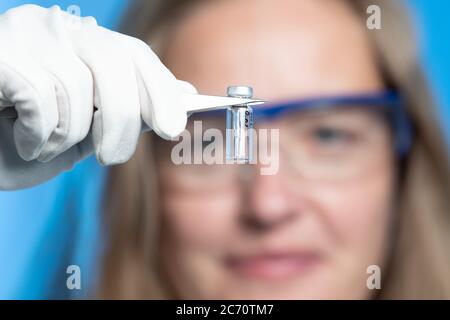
point(331, 135)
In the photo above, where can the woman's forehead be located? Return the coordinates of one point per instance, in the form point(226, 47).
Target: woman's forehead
point(281, 53)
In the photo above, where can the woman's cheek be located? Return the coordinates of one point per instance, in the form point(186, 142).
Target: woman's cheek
point(358, 213)
point(200, 220)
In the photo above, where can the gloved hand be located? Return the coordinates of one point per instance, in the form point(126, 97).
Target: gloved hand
point(54, 68)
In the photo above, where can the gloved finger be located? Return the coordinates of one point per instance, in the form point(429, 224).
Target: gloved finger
point(4, 103)
point(16, 173)
point(30, 89)
point(160, 92)
point(117, 122)
point(187, 87)
point(74, 95)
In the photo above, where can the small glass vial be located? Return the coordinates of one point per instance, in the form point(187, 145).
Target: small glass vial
point(239, 127)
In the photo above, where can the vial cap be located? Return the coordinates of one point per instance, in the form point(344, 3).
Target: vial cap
point(240, 92)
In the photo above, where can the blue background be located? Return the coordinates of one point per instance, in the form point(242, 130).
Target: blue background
point(47, 228)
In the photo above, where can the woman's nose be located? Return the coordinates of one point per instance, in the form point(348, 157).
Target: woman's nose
point(269, 204)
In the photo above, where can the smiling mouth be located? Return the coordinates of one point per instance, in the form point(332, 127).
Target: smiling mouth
point(273, 266)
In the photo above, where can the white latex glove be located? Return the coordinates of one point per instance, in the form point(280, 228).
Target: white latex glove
point(54, 67)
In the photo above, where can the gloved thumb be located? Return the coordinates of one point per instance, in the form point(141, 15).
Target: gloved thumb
point(160, 93)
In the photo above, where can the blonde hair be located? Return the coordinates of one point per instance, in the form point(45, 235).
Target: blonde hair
point(419, 264)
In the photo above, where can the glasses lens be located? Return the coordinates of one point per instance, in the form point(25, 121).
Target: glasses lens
point(325, 144)
point(333, 143)
point(197, 160)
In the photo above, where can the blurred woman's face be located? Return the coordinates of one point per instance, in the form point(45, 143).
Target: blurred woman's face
point(283, 235)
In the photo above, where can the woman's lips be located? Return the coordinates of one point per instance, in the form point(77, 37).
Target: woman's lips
point(273, 265)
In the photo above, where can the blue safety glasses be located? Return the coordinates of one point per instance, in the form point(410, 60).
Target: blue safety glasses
point(388, 102)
